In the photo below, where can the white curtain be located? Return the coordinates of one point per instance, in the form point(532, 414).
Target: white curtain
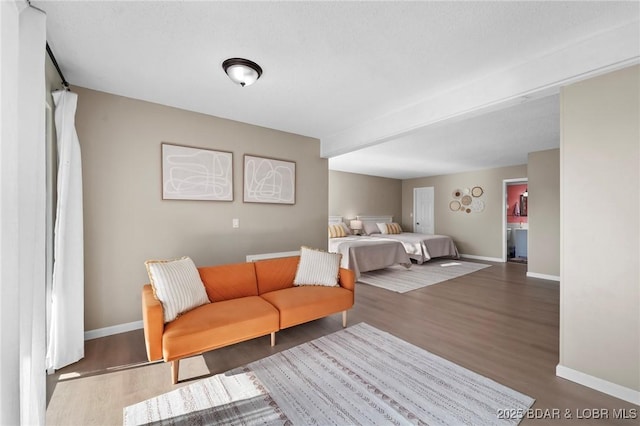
point(22, 214)
point(66, 334)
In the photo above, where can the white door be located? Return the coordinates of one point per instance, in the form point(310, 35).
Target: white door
point(423, 216)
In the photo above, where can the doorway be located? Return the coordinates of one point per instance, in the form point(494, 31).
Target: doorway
point(516, 220)
point(423, 211)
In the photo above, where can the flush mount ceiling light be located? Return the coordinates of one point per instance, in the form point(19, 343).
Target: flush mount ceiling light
point(242, 71)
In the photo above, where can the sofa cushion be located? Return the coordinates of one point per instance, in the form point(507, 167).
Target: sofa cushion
point(298, 305)
point(225, 282)
point(218, 324)
point(177, 285)
point(276, 274)
point(317, 267)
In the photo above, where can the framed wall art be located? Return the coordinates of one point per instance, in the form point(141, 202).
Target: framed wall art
point(190, 173)
point(269, 180)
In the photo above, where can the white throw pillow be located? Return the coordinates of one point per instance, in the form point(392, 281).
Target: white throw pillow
point(370, 228)
point(177, 285)
point(317, 267)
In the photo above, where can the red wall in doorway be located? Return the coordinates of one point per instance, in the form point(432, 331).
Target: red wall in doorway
point(513, 200)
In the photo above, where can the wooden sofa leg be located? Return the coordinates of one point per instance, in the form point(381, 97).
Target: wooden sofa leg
point(273, 339)
point(344, 319)
point(175, 367)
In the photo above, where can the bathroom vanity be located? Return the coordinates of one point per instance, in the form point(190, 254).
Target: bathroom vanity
point(520, 240)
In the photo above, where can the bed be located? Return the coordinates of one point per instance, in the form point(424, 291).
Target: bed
point(366, 253)
point(419, 247)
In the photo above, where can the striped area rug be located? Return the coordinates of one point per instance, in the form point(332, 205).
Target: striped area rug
point(401, 280)
point(356, 376)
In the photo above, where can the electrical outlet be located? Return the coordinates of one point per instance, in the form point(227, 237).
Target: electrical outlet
point(235, 223)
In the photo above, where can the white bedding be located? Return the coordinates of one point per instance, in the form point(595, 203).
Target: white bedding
point(362, 254)
point(423, 247)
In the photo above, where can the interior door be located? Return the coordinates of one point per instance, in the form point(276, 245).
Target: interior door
point(423, 211)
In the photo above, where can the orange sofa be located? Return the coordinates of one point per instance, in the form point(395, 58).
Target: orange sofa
point(249, 300)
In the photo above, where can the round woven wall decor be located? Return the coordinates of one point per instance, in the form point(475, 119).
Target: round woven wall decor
point(477, 205)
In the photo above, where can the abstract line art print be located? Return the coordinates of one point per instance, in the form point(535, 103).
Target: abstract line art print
point(268, 180)
point(190, 173)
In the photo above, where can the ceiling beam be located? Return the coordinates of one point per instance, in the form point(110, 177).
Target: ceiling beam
point(535, 78)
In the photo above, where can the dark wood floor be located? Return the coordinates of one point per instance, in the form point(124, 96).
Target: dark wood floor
point(496, 322)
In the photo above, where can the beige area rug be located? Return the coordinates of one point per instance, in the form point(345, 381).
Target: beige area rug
point(400, 279)
point(359, 375)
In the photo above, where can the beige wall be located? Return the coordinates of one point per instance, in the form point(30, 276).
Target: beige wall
point(351, 194)
point(476, 234)
point(127, 222)
point(543, 169)
point(600, 266)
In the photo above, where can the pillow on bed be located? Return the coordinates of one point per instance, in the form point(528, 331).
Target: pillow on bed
point(390, 228)
point(337, 231)
point(346, 228)
point(370, 228)
point(317, 267)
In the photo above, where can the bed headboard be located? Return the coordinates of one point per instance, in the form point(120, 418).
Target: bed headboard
point(376, 219)
point(334, 220)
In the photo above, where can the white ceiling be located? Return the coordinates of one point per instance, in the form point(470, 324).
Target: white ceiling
point(495, 139)
point(395, 89)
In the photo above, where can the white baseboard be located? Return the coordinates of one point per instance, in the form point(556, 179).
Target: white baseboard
point(598, 384)
point(543, 276)
point(488, 259)
point(114, 329)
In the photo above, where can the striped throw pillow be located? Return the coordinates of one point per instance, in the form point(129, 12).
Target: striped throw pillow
point(336, 231)
point(393, 228)
point(177, 285)
point(317, 267)
point(390, 228)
